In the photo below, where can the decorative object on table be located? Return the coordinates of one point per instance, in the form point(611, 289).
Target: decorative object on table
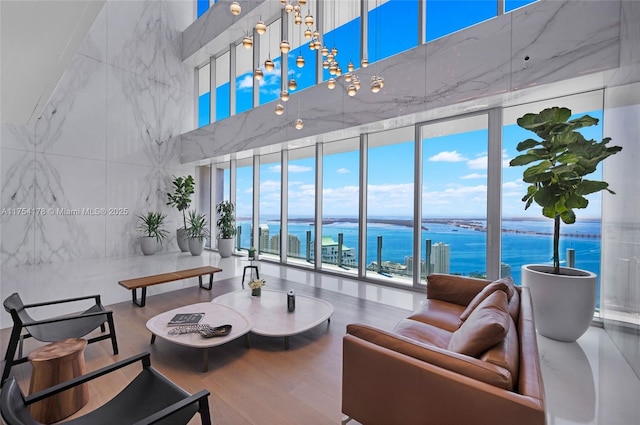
point(182, 319)
point(256, 287)
point(183, 188)
point(151, 231)
point(563, 297)
point(197, 232)
point(218, 331)
point(291, 301)
point(252, 253)
point(226, 228)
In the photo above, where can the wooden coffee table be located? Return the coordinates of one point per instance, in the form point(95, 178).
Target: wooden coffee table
point(215, 315)
point(269, 313)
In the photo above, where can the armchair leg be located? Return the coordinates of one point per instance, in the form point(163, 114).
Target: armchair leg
point(11, 352)
point(112, 329)
point(203, 409)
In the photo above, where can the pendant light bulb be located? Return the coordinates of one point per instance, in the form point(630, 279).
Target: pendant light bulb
point(288, 8)
point(279, 109)
point(375, 86)
point(247, 42)
point(284, 46)
point(308, 20)
point(331, 84)
point(258, 74)
point(269, 65)
point(307, 33)
point(364, 63)
point(302, 2)
point(334, 51)
point(351, 90)
point(325, 51)
point(235, 8)
point(292, 84)
point(284, 95)
point(300, 61)
point(261, 28)
point(298, 20)
point(350, 66)
point(299, 124)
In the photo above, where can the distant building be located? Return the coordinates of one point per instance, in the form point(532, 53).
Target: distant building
point(293, 245)
point(264, 238)
point(440, 257)
point(505, 270)
point(331, 252)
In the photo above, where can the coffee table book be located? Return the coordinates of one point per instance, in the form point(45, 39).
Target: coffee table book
point(185, 319)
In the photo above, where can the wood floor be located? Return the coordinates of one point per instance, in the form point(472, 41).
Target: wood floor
point(261, 385)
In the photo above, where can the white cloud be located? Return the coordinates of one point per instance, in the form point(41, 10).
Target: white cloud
point(246, 83)
point(299, 168)
point(479, 163)
point(343, 171)
point(474, 176)
point(453, 156)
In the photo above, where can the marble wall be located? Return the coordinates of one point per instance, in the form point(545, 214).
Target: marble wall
point(105, 147)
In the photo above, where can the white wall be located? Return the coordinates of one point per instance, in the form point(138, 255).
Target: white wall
point(106, 140)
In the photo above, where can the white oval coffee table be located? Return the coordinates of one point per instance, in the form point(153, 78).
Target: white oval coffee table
point(269, 313)
point(214, 315)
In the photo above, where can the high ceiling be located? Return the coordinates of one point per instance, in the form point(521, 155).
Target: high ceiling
point(37, 40)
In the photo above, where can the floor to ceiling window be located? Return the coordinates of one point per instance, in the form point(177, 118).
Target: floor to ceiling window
point(244, 78)
point(301, 202)
point(222, 86)
point(454, 196)
point(393, 27)
point(270, 84)
point(390, 205)
point(340, 205)
point(204, 96)
point(270, 193)
point(526, 234)
point(342, 32)
point(244, 203)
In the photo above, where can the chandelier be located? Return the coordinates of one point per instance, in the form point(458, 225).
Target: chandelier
point(329, 55)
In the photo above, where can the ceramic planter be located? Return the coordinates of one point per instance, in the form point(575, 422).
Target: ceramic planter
point(183, 239)
point(225, 247)
point(148, 245)
point(196, 246)
point(563, 304)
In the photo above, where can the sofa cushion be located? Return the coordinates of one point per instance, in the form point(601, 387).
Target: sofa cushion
point(506, 353)
point(486, 326)
point(424, 333)
point(482, 295)
point(454, 289)
point(439, 313)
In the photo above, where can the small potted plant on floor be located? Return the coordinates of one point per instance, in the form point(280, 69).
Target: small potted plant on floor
point(183, 188)
point(226, 228)
point(151, 231)
point(563, 297)
point(197, 232)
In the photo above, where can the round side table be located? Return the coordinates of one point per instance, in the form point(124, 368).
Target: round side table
point(53, 364)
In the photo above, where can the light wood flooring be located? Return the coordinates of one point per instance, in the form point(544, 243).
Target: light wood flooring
point(261, 385)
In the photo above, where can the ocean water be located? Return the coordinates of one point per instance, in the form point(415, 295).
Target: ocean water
point(524, 241)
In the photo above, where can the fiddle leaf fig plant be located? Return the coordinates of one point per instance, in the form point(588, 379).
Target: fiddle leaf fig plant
point(558, 164)
point(226, 221)
point(183, 188)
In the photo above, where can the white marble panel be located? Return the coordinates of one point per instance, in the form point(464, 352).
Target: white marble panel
point(132, 36)
point(72, 190)
point(140, 189)
point(18, 207)
point(563, 40)
point(174, 17)
point(15, 136)
point(94, 44)
point(143, 119)
point(74, 120)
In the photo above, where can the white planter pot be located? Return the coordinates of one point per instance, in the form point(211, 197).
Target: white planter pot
point(563, 304)
point(196, 246)
point(148, 245)
point(225, 247)
point(183, 239)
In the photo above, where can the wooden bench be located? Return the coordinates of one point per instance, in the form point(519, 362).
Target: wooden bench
point(143, 282)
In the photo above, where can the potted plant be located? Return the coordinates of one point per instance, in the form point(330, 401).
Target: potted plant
point(183, 188)
point(151, 231)
point(226, 228)
point(197, 232)
point(563, 297)
point(252, 253)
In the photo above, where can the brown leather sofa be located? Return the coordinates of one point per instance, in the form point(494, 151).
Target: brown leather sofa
point(468, 356)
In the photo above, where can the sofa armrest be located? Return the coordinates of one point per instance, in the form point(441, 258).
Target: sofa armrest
point(382, 386)
point(450, 360)
point(454, 289)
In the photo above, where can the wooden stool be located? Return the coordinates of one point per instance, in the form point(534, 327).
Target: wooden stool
point(53, 364)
